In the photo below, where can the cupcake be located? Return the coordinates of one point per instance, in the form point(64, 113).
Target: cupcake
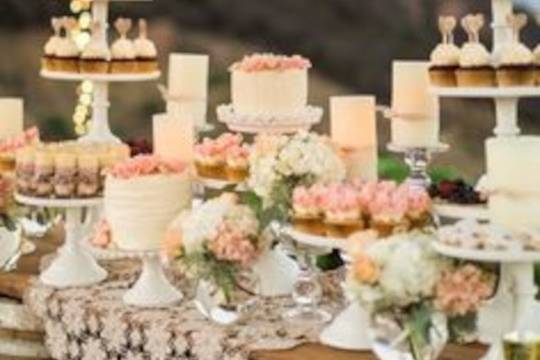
point(342, 212)
point(123, 50)
point(67, 51)
point(65, 174)
point(237, 163)
point(537, 64)
point(24, 170)
point(307, 211)
point(210, 160)
point(475, 68)
point(145, 50)
point(445, 56)
point(88, 180)
point(516, 67)
point(388, 213)
point(43, 173)
point(48, 61)
point(95, 56)
point(419, 206)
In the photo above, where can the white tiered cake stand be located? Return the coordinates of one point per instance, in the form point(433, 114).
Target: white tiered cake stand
point(517, 275)
point(100, 130)
point(348, 330)
point(73, 266)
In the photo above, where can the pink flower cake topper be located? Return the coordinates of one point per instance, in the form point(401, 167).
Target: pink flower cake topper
point(269, 62)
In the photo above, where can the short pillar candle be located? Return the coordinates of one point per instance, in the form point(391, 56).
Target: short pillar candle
point(354, 129)
point(11, 117)
point(173, 136)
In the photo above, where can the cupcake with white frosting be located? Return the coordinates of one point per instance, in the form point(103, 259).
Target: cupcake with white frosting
point(475, 61)
point(445, 56)
point(516, 67)
point(48, 61)
point(123, 49)
point(145, 50)
point(67, 51)
point(95, 56)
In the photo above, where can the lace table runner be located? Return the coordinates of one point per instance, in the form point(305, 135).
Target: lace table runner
point(93, 324)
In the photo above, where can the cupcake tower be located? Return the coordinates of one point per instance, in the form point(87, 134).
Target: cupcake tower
point(125, 56)
point(474, 66)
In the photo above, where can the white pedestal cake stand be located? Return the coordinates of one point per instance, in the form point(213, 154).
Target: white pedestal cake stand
point(73, 266)
point(348, 330)
point(517, 267)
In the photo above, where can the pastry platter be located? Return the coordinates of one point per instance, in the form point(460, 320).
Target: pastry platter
point(483, 255)
point(458, 211)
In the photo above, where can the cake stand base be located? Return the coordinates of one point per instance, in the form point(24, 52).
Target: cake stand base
point(349, 330)
point(152, 289)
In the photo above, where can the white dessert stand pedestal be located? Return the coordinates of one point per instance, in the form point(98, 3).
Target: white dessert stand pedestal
point(348, 330)
point(73, 266)
point(418, 159)
point(517, 274)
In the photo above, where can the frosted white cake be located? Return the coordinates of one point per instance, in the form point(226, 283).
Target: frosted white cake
point(513, 171)
point(269, 84)
point(139, 208)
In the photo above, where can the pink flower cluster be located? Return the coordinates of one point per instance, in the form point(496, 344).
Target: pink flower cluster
point(233, 244)
point(219, 146)
point(462, 291)
point(266, 62)
point(384, 198)
point(144, 165)
point(30, 136)
point(102, 234)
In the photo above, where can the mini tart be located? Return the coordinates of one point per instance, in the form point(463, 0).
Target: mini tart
point(517, 66)
point(475, 69)
point(444, 63)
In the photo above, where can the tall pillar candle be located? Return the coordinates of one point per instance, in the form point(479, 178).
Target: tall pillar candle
point(354, 129)
point(188, 85)
point(11, 117)
point(417, 122)
point(514, 179)
point(174, 136)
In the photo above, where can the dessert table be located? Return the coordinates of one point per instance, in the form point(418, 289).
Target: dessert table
point(18, 284)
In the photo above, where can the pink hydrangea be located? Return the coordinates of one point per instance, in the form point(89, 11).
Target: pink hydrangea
point(265, 62)
point(102, 235)
point(232, 244)
point(461, 291)
point(15, 143)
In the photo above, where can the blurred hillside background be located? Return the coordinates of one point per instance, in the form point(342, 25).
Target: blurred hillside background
point(351, 43)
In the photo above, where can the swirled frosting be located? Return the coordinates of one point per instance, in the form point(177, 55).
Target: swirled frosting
point(445, 55)
point(516, 53)
point(474, 54)
point(51, 46)
point(66, 47)
point(96, 50)
point(124, 49)
point(145, 48)
point(537, 55)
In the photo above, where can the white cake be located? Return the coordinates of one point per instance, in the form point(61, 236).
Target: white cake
point(513, 171)
point(269, 84)
point(139, 209)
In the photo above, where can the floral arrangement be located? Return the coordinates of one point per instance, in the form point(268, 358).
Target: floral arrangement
point(263, 62)
point(28, 137)
point(144, 165)
point(278, 164)
point(401, 278)
point(216, 242)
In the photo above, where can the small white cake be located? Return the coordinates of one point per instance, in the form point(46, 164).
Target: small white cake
point(142, 197)
point(263, 84)
point(513, 170)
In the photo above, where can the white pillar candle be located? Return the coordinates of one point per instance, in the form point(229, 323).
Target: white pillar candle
point(174, 136)
point(188, 85)
point(514, 177)
point(417, 122)
point(353, 128)
point(11, 117)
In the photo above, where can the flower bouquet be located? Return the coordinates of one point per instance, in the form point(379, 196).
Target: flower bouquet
point(414, 296)
point(218, 243)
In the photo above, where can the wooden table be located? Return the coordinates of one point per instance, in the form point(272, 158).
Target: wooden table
point(15, 283)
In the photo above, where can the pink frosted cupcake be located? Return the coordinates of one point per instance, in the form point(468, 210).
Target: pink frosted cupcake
point(388, 213)
point(307, 212)
point(419, 206)
point(342, 211)
point(237, 163)
point(210, 160)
